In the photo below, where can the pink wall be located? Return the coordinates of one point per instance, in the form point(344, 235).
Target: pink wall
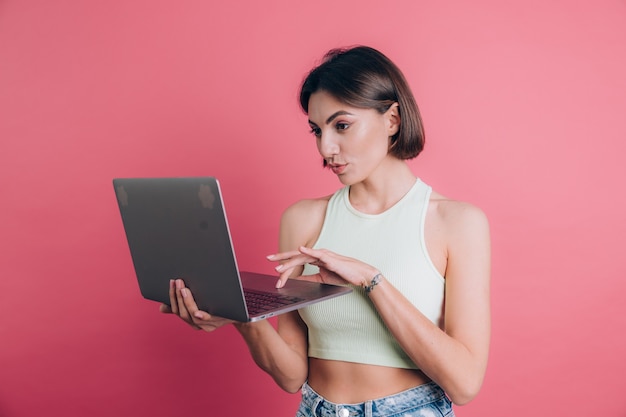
point(524, 106)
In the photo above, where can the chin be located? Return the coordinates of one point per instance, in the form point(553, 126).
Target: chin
point(347, 180)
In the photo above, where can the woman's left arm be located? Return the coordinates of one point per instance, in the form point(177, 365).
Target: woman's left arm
point(455, 357)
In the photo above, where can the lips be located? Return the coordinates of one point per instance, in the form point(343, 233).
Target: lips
point(337, 168)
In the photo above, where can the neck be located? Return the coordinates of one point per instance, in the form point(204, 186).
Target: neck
point(382, 189)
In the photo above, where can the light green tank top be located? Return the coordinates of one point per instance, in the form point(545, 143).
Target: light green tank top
point(348, 328)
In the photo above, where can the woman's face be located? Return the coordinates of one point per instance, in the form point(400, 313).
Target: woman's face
point(353, 141)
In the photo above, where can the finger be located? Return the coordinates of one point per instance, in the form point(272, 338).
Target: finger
point(282, 256)
point(313, 253)
point(173, 300)
point(192, 307)
point(286, 268)
point(282, 278)
point(292, 268)
point(200, 316)
point(195, 314)
point(312, 278)
point(164, 308)
point(187, 314)
point(182, 310)
point(296, 261)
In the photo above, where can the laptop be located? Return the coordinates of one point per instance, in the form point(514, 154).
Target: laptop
point(177, 228)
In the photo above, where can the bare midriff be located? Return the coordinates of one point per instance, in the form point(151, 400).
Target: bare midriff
point(350, 383)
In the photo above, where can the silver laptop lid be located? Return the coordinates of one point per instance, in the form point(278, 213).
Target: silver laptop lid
point(177, 228)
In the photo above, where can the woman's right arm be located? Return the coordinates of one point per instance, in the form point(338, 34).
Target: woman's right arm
point(281, 352)
point(284, 353)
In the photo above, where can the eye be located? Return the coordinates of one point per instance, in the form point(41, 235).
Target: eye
point(342, 125)
point(316, 131)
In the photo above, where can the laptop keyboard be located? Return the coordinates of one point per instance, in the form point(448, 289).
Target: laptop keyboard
point(258, 301)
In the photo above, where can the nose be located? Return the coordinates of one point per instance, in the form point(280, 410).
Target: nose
point(328, 146)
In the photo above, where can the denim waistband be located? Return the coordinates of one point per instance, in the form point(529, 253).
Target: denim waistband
point(393, 404)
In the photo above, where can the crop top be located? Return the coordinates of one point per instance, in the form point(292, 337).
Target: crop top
point(348, 328)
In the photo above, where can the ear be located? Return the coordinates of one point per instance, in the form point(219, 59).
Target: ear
point(392, 118)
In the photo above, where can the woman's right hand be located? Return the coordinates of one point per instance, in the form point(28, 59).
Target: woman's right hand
point(184, 306)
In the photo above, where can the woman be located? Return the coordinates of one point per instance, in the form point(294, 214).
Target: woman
point(415, 332)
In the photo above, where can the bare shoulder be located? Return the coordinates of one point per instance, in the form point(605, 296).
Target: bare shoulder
point(456, 232)
point(302, 221)
point(454, 215)
point(307, 209)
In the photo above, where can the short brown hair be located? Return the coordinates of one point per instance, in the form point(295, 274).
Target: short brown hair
point(365, 78)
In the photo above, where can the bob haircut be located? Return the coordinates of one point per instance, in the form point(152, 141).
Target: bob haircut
point(363, 77)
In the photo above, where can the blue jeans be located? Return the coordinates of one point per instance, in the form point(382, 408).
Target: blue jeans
point(426, 400)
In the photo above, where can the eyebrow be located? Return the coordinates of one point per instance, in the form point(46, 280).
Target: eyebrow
point(333, 116)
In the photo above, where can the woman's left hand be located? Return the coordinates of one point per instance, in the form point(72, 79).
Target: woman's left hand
point(333, 268)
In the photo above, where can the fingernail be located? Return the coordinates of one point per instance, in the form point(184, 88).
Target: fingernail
point(279, 268)
point(270, 256)
point(197, 315)
point(184, 292)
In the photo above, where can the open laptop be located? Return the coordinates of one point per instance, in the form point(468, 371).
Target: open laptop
point(177, 228)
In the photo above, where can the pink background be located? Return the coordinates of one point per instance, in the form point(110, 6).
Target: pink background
point(524, 104)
